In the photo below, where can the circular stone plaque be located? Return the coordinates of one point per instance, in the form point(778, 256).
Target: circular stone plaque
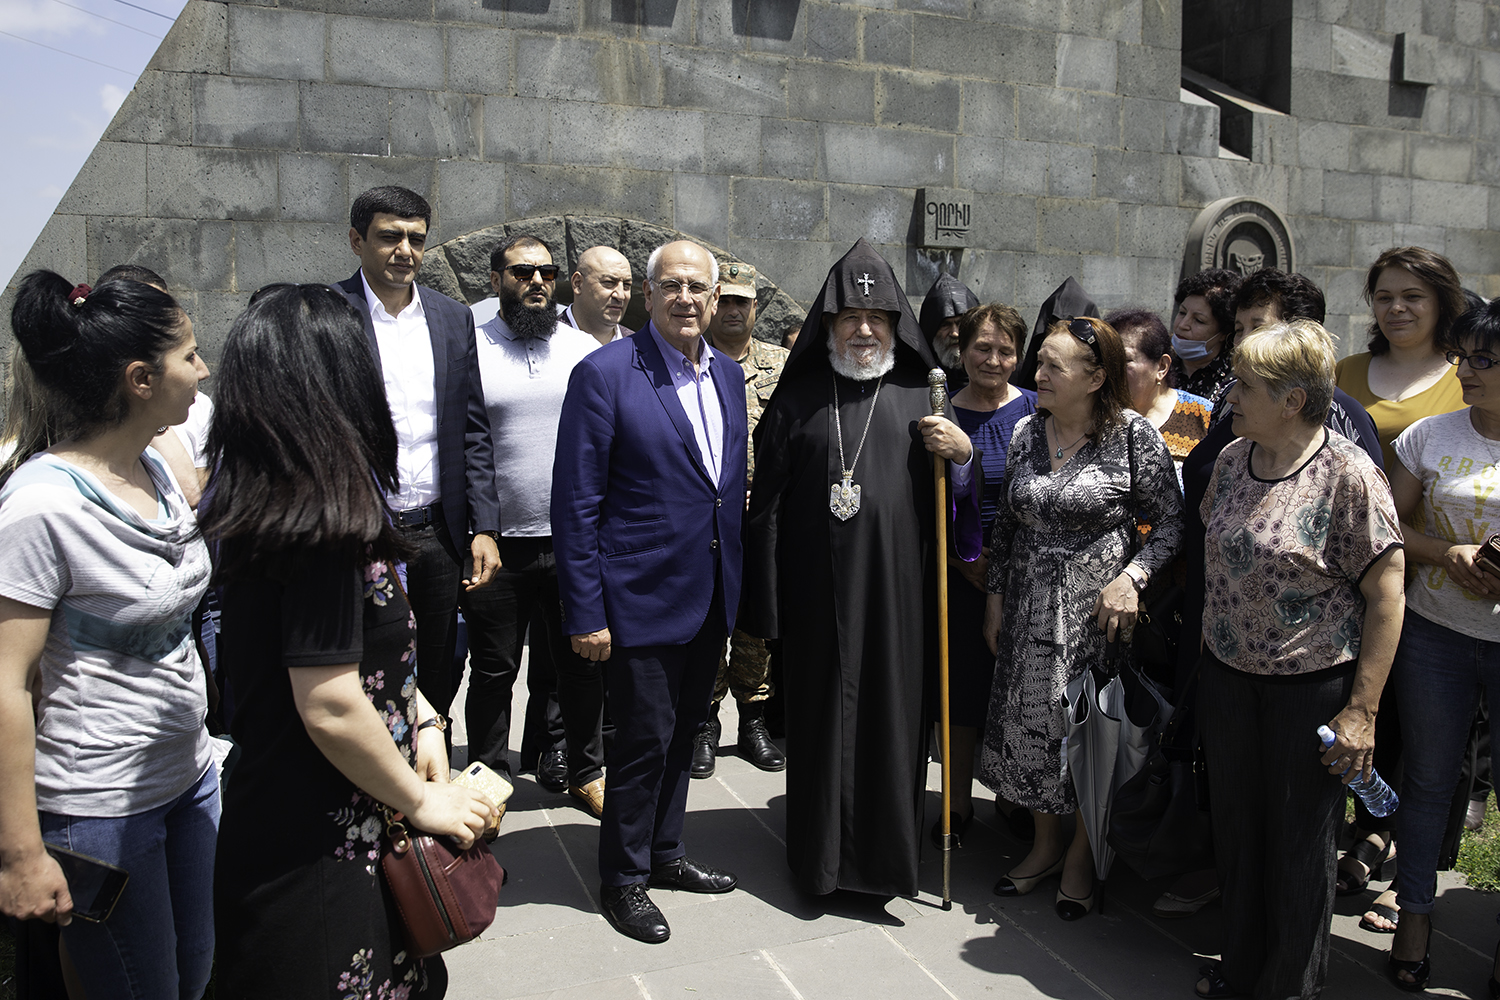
point(1240, 234)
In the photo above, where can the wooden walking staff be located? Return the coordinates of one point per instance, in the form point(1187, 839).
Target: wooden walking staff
point(937, 394)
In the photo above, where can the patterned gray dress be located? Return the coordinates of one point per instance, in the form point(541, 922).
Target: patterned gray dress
point(1058, 539)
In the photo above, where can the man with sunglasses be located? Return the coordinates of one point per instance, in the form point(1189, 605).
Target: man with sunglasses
point(525, 359)
point(424, 343)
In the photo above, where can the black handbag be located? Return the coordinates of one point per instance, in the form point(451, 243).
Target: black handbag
point(1160, 824)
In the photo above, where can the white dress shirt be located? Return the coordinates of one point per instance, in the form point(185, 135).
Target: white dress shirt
point(411, 389)
point(699, 398)
point(571, 320)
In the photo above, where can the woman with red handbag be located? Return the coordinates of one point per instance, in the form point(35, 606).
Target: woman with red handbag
point(318, 641)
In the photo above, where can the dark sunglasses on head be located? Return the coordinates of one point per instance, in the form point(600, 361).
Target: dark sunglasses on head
point(1478, 362)
point(523, 272)
point(1084, 331)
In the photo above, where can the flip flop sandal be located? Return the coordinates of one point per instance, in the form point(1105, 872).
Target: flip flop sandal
point(1388, 912)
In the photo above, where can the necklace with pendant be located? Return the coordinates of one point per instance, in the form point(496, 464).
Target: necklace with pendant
point(843, 497)
point(1060, 448)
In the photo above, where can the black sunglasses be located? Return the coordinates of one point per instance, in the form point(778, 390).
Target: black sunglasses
point(1084, 331)
point(523, 272)
point(1478, 362)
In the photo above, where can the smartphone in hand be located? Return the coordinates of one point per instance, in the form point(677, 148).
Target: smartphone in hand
point(95, 885)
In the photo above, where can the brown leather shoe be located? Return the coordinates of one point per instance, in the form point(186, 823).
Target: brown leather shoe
point(591, 795)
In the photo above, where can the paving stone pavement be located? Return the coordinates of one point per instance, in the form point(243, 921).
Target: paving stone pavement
point(769, 940)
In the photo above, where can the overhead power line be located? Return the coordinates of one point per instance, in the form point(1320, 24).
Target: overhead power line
point(148, 10)
point(65, 52)
point(111, 20)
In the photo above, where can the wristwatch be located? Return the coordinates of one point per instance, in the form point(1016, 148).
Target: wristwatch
point(494, 535)
point(436, 722)
point(1137, 581)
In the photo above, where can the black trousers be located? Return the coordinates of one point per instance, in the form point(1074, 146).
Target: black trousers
point(658, 696)
point(1276, 815)
point(524, 591)
point(432, 585)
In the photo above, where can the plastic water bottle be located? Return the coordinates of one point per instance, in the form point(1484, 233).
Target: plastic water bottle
point(1377, 796)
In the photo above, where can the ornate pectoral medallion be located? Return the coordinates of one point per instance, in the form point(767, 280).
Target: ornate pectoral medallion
point(843, 499)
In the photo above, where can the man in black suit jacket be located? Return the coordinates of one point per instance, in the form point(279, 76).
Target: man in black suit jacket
point(424, 342)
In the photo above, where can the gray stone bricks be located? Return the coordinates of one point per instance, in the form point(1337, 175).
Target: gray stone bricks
point(1069, 226)
point(576, 69)
point(188, 253)
point(644, 138)
point(1435, 158)
point(859, 154)
point(280, 44)
point(988, 108)
point(435, 124)
point(340, 119)
point(777, 210)
point(730, 142)
point(788, 149)
point(1070, 170)
point(383, 53)
point(918, 101)
point(980, 164)
point(266, 252)
point(416, 173)
point(470, 196)
point(198, 41)
point(880, 214)
point(831, 93)
point(159, 109)
point(111, 182)
point(1086, 63)
point(1435, 203)
point(517, 129)
point(833, 32)
point(1006, 222)
point(1376, 151)
point(629, 194)
point(1136, 178)
point(479, 60)
point(700, 206)
point(1192, 129)
point(248, 113)
point(1048, 115)
point(720, 82)
point(887, 38)
point(310, 188)
point(1011, 54)
point(190, 183)
point(1348, 196)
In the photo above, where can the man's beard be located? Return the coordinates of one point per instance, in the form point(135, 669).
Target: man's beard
point(947, 352)
point(847, 366)
point(524, 321)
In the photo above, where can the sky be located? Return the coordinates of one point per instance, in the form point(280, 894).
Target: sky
point(61, 98)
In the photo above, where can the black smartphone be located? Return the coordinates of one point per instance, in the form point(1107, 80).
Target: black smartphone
point(94, 885)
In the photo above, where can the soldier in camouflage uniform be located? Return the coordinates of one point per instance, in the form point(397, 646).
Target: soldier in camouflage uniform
point(745, 668)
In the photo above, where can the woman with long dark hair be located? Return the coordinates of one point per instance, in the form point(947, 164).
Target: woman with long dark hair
point(99, 575)
point(319, 644)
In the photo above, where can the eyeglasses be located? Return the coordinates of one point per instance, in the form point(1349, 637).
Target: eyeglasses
point(1478, 362)
point(671, 289)
point(523, 272)
point(1081, 328)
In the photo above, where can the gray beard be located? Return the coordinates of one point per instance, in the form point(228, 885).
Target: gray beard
point(851, 369)
point(948, 357)
point(525, 322)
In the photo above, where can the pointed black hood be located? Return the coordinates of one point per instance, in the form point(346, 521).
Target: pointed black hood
point(1067, 301)
point(861, 280)
point(948, 297)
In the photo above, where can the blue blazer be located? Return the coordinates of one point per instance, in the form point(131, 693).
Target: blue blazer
point(641, 532)
point(466, 460)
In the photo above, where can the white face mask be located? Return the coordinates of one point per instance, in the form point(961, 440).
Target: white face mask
point(1192, 350)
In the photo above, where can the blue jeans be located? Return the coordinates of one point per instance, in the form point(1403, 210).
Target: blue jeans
point(1438, 674)
point(159, 942)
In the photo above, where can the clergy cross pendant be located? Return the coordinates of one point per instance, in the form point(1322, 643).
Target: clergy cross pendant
point(843, 499)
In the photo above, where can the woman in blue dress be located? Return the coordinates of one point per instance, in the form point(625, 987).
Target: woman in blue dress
point(987, 408)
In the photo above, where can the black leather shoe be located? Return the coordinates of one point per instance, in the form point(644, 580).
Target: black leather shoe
point(755, 740)
point(552, 769)
point(629, 910)
point(691, 876)
point(706, 747)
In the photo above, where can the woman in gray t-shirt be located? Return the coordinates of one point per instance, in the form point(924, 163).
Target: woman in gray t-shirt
point(99, 576)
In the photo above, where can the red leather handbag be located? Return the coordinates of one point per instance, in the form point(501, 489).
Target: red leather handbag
point(445, 896)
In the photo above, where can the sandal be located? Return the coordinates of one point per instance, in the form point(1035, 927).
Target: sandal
point(1391, 913)
point(1373, 859)
point(1420, 971)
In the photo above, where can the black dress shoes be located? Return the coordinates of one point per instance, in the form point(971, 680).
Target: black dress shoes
point(629, 910)
point(755, 740)
point(691, 876)
point(706, 747)
point(552, 769)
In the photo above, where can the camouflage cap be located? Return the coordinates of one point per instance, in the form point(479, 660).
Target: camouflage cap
point(737, 279)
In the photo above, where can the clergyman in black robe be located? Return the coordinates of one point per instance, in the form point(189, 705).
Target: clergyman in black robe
point(852, 595)
point(946, 301)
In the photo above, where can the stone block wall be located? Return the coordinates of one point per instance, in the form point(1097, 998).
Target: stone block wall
point(780, 131)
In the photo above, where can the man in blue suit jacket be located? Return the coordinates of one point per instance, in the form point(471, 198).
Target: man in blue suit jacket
point(648, 489)
point(424, 344)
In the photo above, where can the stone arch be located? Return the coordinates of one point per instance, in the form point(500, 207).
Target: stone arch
point(460, 267)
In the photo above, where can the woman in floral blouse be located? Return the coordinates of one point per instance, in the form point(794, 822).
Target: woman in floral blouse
point(1302, 613)
point(318, 641)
